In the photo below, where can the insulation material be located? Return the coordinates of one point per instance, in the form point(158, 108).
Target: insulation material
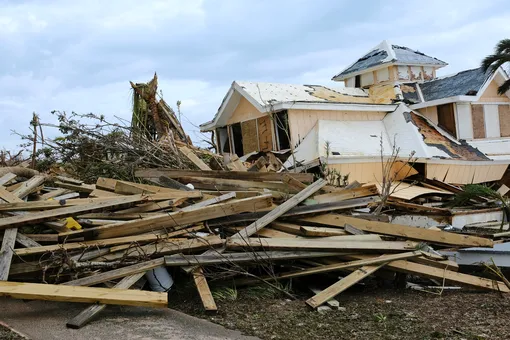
point(504, 120)
point(478, 121)
point(403, 72)
point(265, 134)
point(250, 136)
point(428, 73)
point(415, 72)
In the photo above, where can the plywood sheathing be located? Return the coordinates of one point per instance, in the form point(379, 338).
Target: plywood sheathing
point(504, 120)
point(478, 121)
point(265, 133)
point(491, 94)
point(369, 172)
point(250, 136)
point(432, 137)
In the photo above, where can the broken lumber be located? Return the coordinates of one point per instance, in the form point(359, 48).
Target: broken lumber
point(342, 285)
point(412, 233)
point(67, 211)
point(239, 175)
point(90, 312)
point(174, 219)
point(48, 292)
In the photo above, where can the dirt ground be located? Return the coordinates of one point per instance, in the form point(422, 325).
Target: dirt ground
point(366, 313)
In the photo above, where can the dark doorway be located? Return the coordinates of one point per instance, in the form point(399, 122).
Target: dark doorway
point(282, 129)
point(446, 119)
point(237, 136)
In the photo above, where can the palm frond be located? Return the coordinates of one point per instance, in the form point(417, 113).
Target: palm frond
point(503, 47)
point(504, 87)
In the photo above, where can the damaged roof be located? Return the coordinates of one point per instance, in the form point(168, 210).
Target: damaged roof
point(386, 53)
point(403, 128)
point(463, 83)
point(271, 93)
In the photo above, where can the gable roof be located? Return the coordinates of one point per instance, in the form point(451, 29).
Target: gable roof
point(267, 97)
point(386, 53)
point(467, 82)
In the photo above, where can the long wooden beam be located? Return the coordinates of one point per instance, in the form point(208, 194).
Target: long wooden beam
point(43, 216)
point(263, 256)
point(108, 296)
point(240, 175)
point(440, 274)
point(412, 233)
point(174, 219)
point(321, 244)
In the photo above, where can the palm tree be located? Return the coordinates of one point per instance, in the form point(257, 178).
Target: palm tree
point(494, 61)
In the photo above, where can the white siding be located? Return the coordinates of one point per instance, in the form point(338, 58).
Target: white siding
point(350, 82)
point(383, 75)
point(367, 79)
point(491, 116)
point(428, 72)
point(464, 121)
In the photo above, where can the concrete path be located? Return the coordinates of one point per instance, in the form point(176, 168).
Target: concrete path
point(44, 320)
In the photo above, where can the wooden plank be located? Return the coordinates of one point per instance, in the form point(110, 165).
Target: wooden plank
point(109, 296)
point(26, 241)
point(290, 228)
point(7, 178)
point(322, 231)
point(90, 312)
point(440, 274)
point(107, 184)
point(412, 233)
point(69, 180)
point(69, 246)
point(116, 273)
point(130, 188)
point(342, 285)
point(53, 193)
point(203, 290)
point(29, 186)
point(418, 208)
point(296, 211)
point(6, 252)
point(87, 188)
point(164, 247)
point(346, 194)
point(348, 265)
point(280, 210)
point(9, 239)
point(263, 256)
point(239, 175)
point(66, 212)
point(174, 219)
point(320, 244)
point(172, 183)
point(234, 184)
point(353, 230)
point(193, 158)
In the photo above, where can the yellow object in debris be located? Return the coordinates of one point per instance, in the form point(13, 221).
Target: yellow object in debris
point(72, 224)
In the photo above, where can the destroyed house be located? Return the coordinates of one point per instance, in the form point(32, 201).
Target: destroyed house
point(456, 126)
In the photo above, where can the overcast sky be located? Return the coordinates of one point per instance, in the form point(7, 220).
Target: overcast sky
point(80, 55)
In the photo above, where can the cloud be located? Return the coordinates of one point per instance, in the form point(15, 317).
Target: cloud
point(69, 56)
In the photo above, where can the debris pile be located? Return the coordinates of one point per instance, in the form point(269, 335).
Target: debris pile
point(65, 240)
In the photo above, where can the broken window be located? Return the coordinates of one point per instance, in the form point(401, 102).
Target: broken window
point(281, 120)
point(446, 119)
point(222, 140)
point(237, 139)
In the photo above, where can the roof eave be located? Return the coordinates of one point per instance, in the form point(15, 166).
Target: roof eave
point(341, 76)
